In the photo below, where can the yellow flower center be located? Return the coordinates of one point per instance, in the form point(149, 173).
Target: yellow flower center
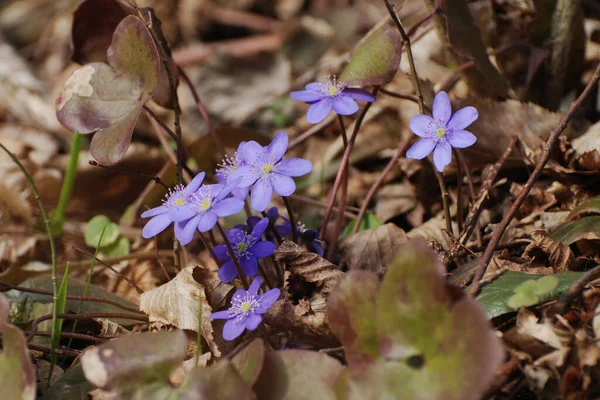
point(205, 205)
point(441, 132)
point(242, 246)
point(333, 91)
point(267, 168)
point(179, 202)
point(246, 306)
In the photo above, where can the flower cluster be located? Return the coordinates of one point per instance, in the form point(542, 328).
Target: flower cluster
point(442, 132)
point(247, 308)
point(330, 94)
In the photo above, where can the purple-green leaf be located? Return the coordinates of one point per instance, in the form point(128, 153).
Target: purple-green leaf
point(220, 381)
point(376, 57)
point(133, 50)
point(249, 361)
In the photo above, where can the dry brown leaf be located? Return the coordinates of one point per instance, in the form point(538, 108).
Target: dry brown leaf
point(559, 254)
point(393, 200)
point(176, 303)
point(433, 229)
point(372, 249)
point(587, 155)
point(309, 266)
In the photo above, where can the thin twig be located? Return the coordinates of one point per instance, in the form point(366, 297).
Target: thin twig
point(501, 227)
point(345, 161)
point(459, 185)
point(316, 203)
point(312, 131)
point(575, 290)
point(70, 335)
point(445, 199)
point(388, 168)
point(293, 221)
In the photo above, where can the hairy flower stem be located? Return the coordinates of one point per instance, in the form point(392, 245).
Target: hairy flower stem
point(343, 195)
point(210, 249)
point(459, 185)
point(293, 221)
point(58, 216)
point(38, 199)
point(445, 199)
point(345, 161)
point(273, 228)
point(236, 262)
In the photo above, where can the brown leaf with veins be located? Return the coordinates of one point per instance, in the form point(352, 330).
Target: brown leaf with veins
point(559, 254)
point(373, 249)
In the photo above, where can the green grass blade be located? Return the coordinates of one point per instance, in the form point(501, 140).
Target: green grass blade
point(58, 216)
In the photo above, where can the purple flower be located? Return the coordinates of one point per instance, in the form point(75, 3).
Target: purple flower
point(442, 132)
point(246, 309)
point(247, 247)
point(307, 237)
point(205, 206)
point(331, 93)
point(266, 170)
point(162, 216)
point(227, 166)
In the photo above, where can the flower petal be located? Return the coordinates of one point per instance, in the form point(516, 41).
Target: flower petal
point(267, 300)
point(460, 139)
point(241, 193)
point(249, 265)
point(263, 249)
point(261, 194)
point(314, 86)
point(442, 109)
point(227, 272)
point(207, 221)
point(181, 213)
point(463, 118)
point(319, 110)
point(260, 227)
point(421, 125)
point(442, 155)
point(156, 225)
point(307, 96)
point(255, 285)
point(228, 207)
point(248, 174)
point(359, 94)
point(344, 105)
point(282, 185)
point(293, 167)
point(253, 321)
point(421, 148)
point(221, 252)
point(277, 148)
point(220, 315)
point(153, 212)
point(232, 329)
point(250, 151)
point(187, 233)
point(194, 184)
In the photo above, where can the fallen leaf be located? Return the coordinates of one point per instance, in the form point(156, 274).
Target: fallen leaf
point(220, 381)
point(250, 360)
point(373, 249)
point(559, 254)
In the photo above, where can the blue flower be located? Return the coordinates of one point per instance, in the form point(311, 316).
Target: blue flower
point(331, 93)
point(442, 132)
point(164, 215)
point(247, 308)
point(306, 237)
point(247, 247)
point(265, 169)
point(204, 208)
point(227, 166)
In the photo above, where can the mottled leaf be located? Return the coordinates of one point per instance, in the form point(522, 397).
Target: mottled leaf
point(494, 297)
point(176, 303)
point(133, 50)
point(97, 96)
point(94, 229)
point(220, 381)
point(17, 376)
point(298, 375)
point(249, 361)
point(376, 57)
point(368, 222)
point(372, 249)
point(350, 311)
point(583, 228)
point(134, 359)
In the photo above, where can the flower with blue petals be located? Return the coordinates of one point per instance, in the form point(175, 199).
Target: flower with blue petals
point(227, 166)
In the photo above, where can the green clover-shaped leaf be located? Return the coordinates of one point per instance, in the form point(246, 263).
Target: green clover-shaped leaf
point(93, 232)
point(528, 293)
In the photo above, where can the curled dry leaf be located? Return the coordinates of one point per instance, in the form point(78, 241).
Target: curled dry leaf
point(373, 249)
point(559, 254)
point(433, 229)
point(17, 376)
point(587, 155)
point(176, 303)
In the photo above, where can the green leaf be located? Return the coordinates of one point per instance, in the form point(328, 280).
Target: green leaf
point(297, 375)
point(592, 206)
point(220, 381)
point(571, 232)
point(120, 248)
point(94, 228)
point(528, 293)
point(495, 296)
point(61, 304)
point(376, 57)
point(133, 50)
point(249, 361)
point(368, 222)
point(17, 376)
